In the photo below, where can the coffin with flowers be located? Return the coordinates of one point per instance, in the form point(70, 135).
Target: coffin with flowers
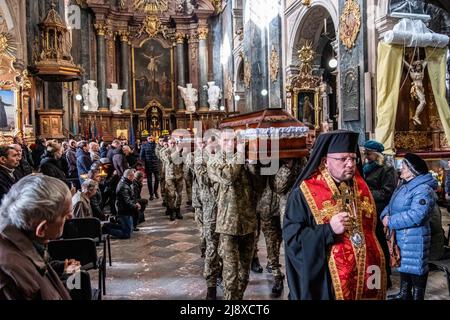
point(270, 133)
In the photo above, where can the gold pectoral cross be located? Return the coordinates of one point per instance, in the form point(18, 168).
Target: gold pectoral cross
point(346, 198)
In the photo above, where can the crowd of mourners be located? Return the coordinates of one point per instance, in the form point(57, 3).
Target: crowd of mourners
point(232, 199)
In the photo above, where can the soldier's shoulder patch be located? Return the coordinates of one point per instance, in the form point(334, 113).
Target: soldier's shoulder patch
point(423, 202)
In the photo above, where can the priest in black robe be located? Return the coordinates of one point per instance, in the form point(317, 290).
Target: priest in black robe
point(329, 228)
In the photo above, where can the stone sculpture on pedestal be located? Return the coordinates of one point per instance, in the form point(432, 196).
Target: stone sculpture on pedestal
point(90, 96)
point(214, 95)
point(190, 96)
point(115, 98)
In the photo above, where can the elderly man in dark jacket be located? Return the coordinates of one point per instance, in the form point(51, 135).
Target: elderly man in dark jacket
point(381, 180)
point(84, 161)
point(9, 161)
point(148, 155)
point(41, 206)
point(126, 205)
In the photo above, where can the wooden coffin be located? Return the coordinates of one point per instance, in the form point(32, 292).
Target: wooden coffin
point(260, 128)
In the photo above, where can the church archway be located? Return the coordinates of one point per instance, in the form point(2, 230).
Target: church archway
point(318, 25)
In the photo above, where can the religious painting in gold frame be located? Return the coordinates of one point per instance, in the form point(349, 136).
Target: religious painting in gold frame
point(153, 73)
point(306, 106)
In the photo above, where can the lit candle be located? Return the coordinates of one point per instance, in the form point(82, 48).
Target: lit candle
point(325, 25)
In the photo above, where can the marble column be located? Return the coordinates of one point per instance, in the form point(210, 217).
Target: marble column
point(181, 67)
point(203, 65)
point(101, 65)
point(124, 68)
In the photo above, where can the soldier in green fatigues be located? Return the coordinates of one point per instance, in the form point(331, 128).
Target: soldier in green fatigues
point(160, 147)
point(196, 202)
point(173, 165)
point(208, 192)
point(268, 209)
point(236, 217)
point(285, 179)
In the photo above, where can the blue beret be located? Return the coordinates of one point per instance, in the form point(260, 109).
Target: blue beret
point(372, 145)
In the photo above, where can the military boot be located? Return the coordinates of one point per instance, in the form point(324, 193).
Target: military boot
point(167, 211)
point(278, 286)
point(172, 214)
point(256, 266)
point(211, 294)
point(178, 214)
point(418, 293)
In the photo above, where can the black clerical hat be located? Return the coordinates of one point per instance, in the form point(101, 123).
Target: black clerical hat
point(340, 141)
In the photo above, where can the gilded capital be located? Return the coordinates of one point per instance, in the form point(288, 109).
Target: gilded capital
point(124, 35)
point(101, 28)
point(179, 36)
point(202, 33)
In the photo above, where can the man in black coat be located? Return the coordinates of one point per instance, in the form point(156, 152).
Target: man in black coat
point(126, 205)
point(9, 161)
point(137, 188)
point(24, 168)
point(148, 155)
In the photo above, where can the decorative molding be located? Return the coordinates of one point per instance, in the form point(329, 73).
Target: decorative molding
point(202, 33)
point(124, 35)
point(180, 37)
point(350, 24)
point(101, 28)
point(274, 64)
point(247, 73)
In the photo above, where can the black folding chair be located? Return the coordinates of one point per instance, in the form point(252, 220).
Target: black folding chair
point(88, 228)
point(83, 250)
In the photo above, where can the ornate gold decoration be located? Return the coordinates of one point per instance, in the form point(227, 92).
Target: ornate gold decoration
point(229, 90)
point(350, 23)
point(25, 81)
point(55, 62)
point(202, 33)
point(274, 64)
point(306, 3)
point(305, 80)
point(217, 6)
point(179, 36)
point(444, 141)
point(101, 28)
point(152, 26)
point(413, 140)
point(6, 44)
point(247, 73)
point(124, 35)
point(151, 6)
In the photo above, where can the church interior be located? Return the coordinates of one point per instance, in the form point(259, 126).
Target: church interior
point(102, 71)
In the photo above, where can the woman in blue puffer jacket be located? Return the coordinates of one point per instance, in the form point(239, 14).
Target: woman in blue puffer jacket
point(408, 213)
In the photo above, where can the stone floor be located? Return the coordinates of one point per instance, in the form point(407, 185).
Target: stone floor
point(162, 261)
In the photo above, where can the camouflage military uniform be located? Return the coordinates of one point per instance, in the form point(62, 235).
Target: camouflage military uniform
point(268, 209)
point(196, 202)
point(173, 163)
point(162, 172)
point(236, 222)
point(188, 182)
point(284, 181)
point(207, 199)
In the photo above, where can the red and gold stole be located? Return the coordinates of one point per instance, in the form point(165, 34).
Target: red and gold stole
point(356, 273)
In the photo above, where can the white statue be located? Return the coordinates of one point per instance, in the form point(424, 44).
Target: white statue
point(90, 96)
point(214, 95)
point(417, 73)
point(190, 96)
point(115, 98)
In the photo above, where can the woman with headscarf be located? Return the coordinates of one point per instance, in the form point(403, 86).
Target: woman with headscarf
point(409, 213)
